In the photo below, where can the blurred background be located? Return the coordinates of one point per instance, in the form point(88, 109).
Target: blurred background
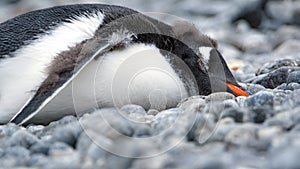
point(250, 32)
point(258, 132)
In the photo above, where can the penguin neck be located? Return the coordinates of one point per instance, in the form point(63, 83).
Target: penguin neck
point(187, 56)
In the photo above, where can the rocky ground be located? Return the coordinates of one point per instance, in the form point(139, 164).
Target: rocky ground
point(260, 40)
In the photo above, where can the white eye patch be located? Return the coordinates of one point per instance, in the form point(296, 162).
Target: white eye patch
point(205, 52)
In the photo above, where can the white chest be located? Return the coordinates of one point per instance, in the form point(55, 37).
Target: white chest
point(136, 75)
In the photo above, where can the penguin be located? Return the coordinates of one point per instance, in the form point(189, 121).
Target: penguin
point(72, 59)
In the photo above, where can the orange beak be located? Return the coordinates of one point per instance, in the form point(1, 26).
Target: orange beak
point(237, 91)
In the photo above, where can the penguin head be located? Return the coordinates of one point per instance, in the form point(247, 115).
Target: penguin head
point(210, 60)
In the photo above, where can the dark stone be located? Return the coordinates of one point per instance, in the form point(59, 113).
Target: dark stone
point(40, 148)
point(277, 77)
point(234, 113)
point(292, 86)
point(271, 66)
point(252, 13)
point(256, 115)
point(294, 77)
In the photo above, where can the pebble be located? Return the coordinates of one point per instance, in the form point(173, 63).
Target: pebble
point(294, 77)
point(67, 134)
point(277, 77)
point(242, 135)
point(287, 48)
point(273, 65)
point(234, 113)
point(260, 99)
point(21, 138)
point(259, 43)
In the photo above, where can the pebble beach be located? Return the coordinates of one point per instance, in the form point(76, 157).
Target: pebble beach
point(260, 41)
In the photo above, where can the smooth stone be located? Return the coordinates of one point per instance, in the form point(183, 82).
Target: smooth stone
point(230, 104)
point(253, 14)
point(37, 160)
point(50, 128)
point(242, 135)
point(254, 88)
point(219, 96)
point(40, 148)
point(152, 112)
point(83, 144)
point(285, 158)
point(254, 42)
point(287, 10)
point(281, 87)
point(241, 100)
point(21, 138)
point(60, 149)
point(193, 105)
point(222, 130)
point(161, 161)
point(17, 152)
point(106, 122)
point(293, 86)
point(256, 115)
point(14, 157)
point(201, 130)
point(68, 134)
point(277, 77)
point(285, 124)
point(269, 133)
point(134, 109)
point(236, 114)
point(289, 47)
point(214, 109)
point(35, 129)
point(273, 65)
point(260, 99)
point(284, 33)
point(8, 130)
point(296, 128)
point(294, 77)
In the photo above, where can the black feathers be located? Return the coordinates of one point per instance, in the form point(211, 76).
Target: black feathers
point(25, 28)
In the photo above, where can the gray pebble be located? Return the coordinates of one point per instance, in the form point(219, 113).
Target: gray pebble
point(260, 99)
point(260, 131)
point(40, 148)
point(285, 124)
point(201, 130)
point(292, 86)
point(68, 133)
point(152, 112)
point(234, 113)
point(133, 109)
point(285, 158)
point(273, 65)
point(21, 138)
point(8, 130)
point(60, 149)
point(294, 77)
point(277, 77)
point(220, 96)
point(242, 135)
point(37, 160)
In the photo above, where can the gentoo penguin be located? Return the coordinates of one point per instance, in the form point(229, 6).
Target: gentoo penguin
point(73, 59)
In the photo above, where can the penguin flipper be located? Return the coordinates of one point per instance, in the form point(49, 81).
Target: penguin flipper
point(60, 76)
